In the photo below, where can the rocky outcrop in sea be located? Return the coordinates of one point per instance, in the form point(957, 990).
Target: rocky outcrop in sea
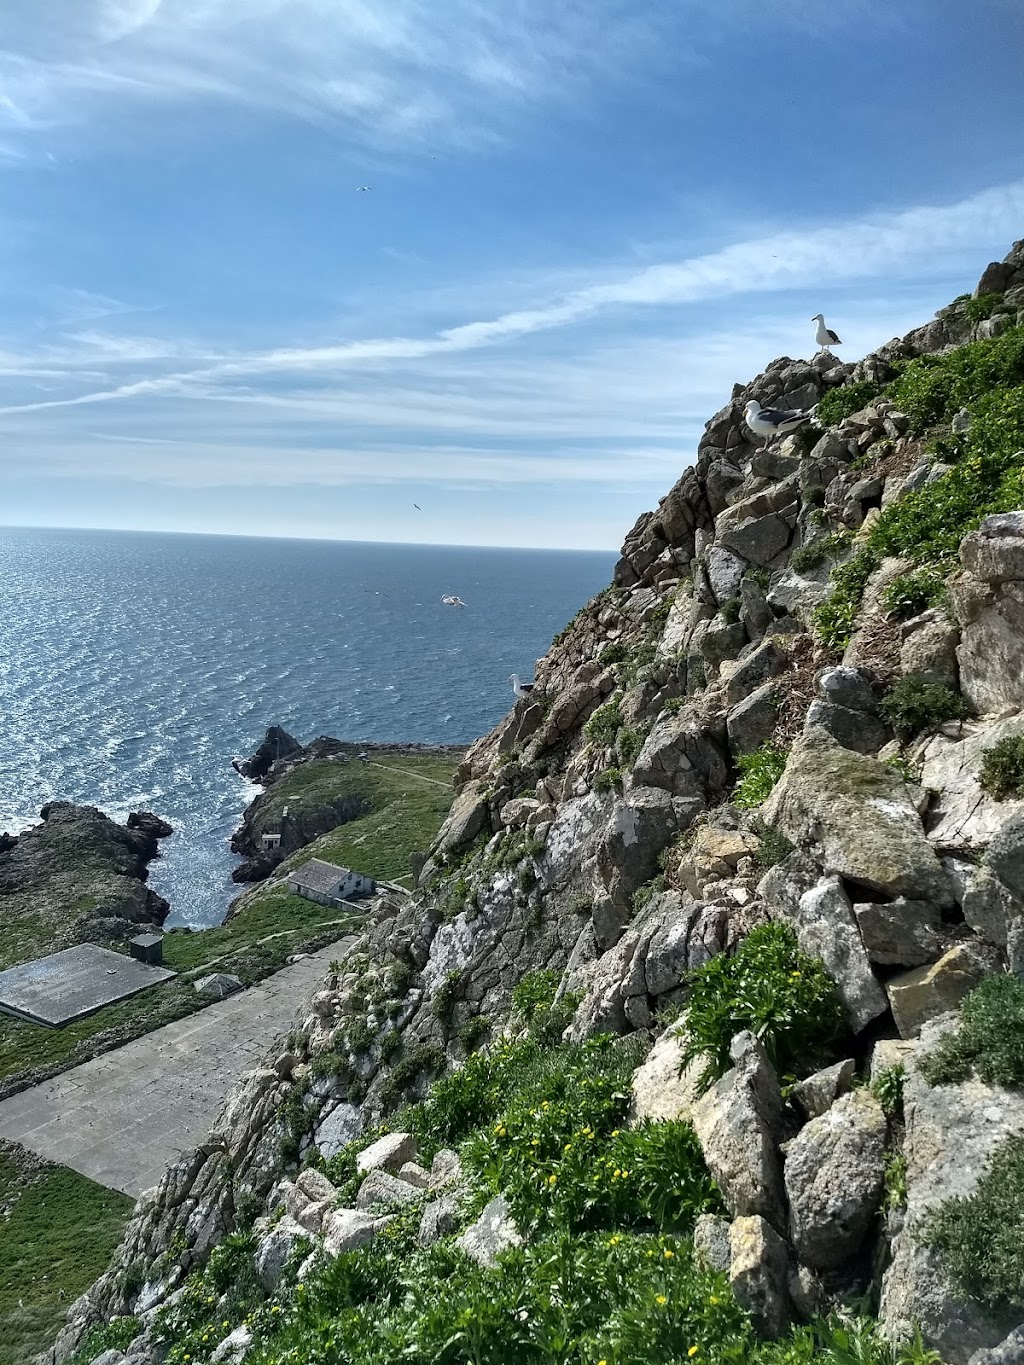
point(796, 713)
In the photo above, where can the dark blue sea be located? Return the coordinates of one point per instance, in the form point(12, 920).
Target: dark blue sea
point(134, 666)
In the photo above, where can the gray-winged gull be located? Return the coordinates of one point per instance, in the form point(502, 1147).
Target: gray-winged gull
point(520, 688)
point(450, 600)
point(769, 422)
point(824, 336)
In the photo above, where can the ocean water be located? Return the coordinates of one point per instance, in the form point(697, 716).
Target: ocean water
point(134, 666)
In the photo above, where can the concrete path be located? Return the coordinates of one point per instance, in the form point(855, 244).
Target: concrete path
point(122, 1118)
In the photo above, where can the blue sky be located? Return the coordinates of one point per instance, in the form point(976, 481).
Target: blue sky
point(587, 219)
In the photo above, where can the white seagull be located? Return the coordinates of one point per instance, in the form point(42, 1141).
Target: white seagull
point(824, 336)
point(362, 189)
point(520, 688)
point(769, 422)
point(450, 601)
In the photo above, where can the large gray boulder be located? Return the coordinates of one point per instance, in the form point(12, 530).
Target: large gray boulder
point(900, 933)
point(834, 1173)
point(762, 663)
point(638, 828)
point(859, 817)
point(823, 920)
point(752, 721)
point(274, 1249)
point(758, 1273)
point(491, 1234)
point(680, 757)
point(927, 992)
point(662, 1087)
point(737, 1123)
point(961, 815)
point(952, 1131)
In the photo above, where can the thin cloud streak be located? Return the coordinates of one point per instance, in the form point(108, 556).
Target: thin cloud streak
point(825, 257)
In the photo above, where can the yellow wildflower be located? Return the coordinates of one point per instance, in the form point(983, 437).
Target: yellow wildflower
point(693, 1351)
point(661, 1300)
point(552, 1179)
point(669, 1254)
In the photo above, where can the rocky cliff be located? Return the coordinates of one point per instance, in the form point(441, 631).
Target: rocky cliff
point(709, 995)
point(77, 877)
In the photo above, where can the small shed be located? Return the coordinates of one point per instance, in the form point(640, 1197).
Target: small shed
point(270, 843)
point(328, 884)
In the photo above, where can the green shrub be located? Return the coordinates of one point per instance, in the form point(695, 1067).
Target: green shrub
point(773, 848)
point(835, 618)
point(730, 611)
point(982, 307)
point(895, 1181)
point(981, 1238)
point(606, 780)
point(1002, 768)
point(545, 1016)
point(815, 495)
point(115, 1335)
point(761, 770)
point(829, 547)
point(914, 705)
point(932, 388)
point(442, 1002)
point(647, 892)
point(673, 705)
point(911, 593)
point(887, 1088)
point(838, 404)
point(604, 724)
point(770, 987)
point(628, 743)
point(989, 1040)
point(760, 575)
point(612, 654)
point(474, 1030)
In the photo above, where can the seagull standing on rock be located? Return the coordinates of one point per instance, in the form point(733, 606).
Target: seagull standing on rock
point(769, 422)
point(824, 336)
point(520, 688)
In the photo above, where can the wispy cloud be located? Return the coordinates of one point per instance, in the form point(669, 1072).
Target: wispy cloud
point(387, 70)
point(825, 258)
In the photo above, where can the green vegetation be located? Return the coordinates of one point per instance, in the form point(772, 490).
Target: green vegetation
point(731, 611)
point(604, 724)
point(989, 1040)
point(838, 404)
point(770, 987)
point(887, 1088)
point(614, 653)
point(608, 779)
point(1002, 768)
point(545, 1014)
point(980, 1236)
point(895, 1181)
point(914, 705)
point(911, 593)
point(829, 547)
point(115, 1335)
point(57, 1233)
point(927, 524)
point(606, 1273)
point(761, 770)
point(760, 575)
point(773, 848)
point(402, 797)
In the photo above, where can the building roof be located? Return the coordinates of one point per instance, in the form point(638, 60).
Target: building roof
point(316, 875)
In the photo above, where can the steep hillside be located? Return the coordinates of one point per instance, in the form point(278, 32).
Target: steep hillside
point(703, 1037)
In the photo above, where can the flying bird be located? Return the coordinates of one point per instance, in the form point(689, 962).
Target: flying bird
point(418, 507)
point(824, 336)
point(450, 600)
point(769, 422)
point(363, 188)
point(520, 688)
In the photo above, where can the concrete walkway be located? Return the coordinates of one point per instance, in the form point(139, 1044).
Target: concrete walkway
point(122, 1118)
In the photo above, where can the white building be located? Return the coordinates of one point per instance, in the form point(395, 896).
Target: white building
point(327, 884)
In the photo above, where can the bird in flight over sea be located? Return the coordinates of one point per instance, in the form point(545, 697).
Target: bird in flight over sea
point(418, 507)
point(363, 188)
point(520, 688)
point(824, 336)
point(769, 422)
point(450, 600)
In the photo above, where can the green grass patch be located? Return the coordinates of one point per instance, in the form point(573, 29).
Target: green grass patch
point(912, 593)
point(838, 404)
point(58, 1230)
point(604, 724)
point(1002, 768)
point(770, 987)
point(989, 1040)
point(981, 1238)
point(760, 770)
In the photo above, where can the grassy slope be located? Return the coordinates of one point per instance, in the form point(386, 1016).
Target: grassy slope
point(271, 924)
point(57, 1232)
